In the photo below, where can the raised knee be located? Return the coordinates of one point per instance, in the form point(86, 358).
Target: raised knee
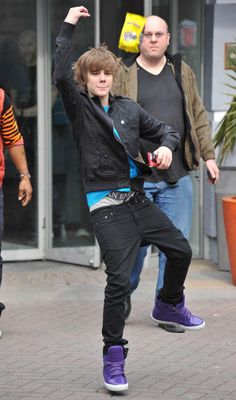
point(188, 251)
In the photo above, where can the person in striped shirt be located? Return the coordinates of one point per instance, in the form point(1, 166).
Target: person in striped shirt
point(12, 140)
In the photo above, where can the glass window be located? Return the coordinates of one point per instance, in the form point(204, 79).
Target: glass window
point(184, 18)
point(18, 76)
point(116, 12)
point(71, 226)
point(162, 9)
point(189, 45)
point(189, 34)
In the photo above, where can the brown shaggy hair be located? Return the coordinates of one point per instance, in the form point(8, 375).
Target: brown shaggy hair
point(95, 59)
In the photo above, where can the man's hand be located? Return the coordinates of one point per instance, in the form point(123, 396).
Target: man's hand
point(75, 13)
point(17, 154)
point(213, 170)
point(164, 157)
point(25, 191)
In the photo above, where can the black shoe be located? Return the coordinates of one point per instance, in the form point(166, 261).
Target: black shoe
point(2, 307)
point(171, 328)
point(127, 306)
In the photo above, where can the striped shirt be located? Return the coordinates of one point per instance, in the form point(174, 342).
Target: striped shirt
point(9, 131)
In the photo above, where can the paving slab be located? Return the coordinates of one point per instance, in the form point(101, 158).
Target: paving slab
point(51, 347)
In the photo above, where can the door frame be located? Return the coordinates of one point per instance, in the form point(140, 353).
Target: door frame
point(89, 256)
point(23, 252)
point(81, 255)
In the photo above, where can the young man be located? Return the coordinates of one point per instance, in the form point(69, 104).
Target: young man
point(107, 131)
point(11, 138)
point(166, 88)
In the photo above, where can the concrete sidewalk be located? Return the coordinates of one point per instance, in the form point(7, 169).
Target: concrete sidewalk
point(51, 346)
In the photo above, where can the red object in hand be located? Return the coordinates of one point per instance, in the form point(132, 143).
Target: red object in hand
point(152, 160)
point(210, 177)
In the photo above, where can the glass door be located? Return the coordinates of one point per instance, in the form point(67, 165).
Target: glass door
point(18, 76)
point(184, 18)
point(70, 236)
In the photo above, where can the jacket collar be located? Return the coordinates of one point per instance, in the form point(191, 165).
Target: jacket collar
point(171, 58)
point(97, 101)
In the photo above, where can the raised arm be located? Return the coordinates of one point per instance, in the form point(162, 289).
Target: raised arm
point(63, 74)
point(75, 13)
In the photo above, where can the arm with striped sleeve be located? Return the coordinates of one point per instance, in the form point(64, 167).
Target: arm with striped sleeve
point(13, 141)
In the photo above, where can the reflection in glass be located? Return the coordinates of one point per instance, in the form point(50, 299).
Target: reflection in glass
point(18, 72)
point(71, 225)
point(185, 25)
point(189, 21)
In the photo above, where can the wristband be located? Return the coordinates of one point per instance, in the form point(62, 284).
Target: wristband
point(23, 174)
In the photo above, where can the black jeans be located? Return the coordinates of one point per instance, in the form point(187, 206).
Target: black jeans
point(120, 230)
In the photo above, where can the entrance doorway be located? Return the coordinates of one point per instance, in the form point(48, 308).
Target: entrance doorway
point(56, 225)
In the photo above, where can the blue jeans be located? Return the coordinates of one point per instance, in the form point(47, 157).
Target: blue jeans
point(176, 201)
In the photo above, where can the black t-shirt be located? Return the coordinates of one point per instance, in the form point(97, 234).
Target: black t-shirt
point(161, 97)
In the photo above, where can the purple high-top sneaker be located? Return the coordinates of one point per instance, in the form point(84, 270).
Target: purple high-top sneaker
point(113, 369)
point(177, 315)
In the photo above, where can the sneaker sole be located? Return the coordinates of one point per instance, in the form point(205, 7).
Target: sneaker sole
point(187, 328)
point(116, 388)
point(171, 328)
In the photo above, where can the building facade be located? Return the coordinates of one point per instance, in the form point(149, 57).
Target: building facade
point(56, 225)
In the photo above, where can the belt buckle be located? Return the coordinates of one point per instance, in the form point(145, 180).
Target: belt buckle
point(130, 197)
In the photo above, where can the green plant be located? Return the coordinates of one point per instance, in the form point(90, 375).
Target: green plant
point(226, 134)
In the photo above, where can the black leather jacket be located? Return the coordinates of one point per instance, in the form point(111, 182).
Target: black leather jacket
point(104, 159)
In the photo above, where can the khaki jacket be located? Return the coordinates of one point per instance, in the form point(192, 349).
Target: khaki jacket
point(198, 142)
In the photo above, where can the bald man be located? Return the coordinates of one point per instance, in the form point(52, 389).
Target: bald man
point(166, 87)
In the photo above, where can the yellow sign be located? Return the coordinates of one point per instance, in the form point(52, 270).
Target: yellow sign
point(130, 34)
